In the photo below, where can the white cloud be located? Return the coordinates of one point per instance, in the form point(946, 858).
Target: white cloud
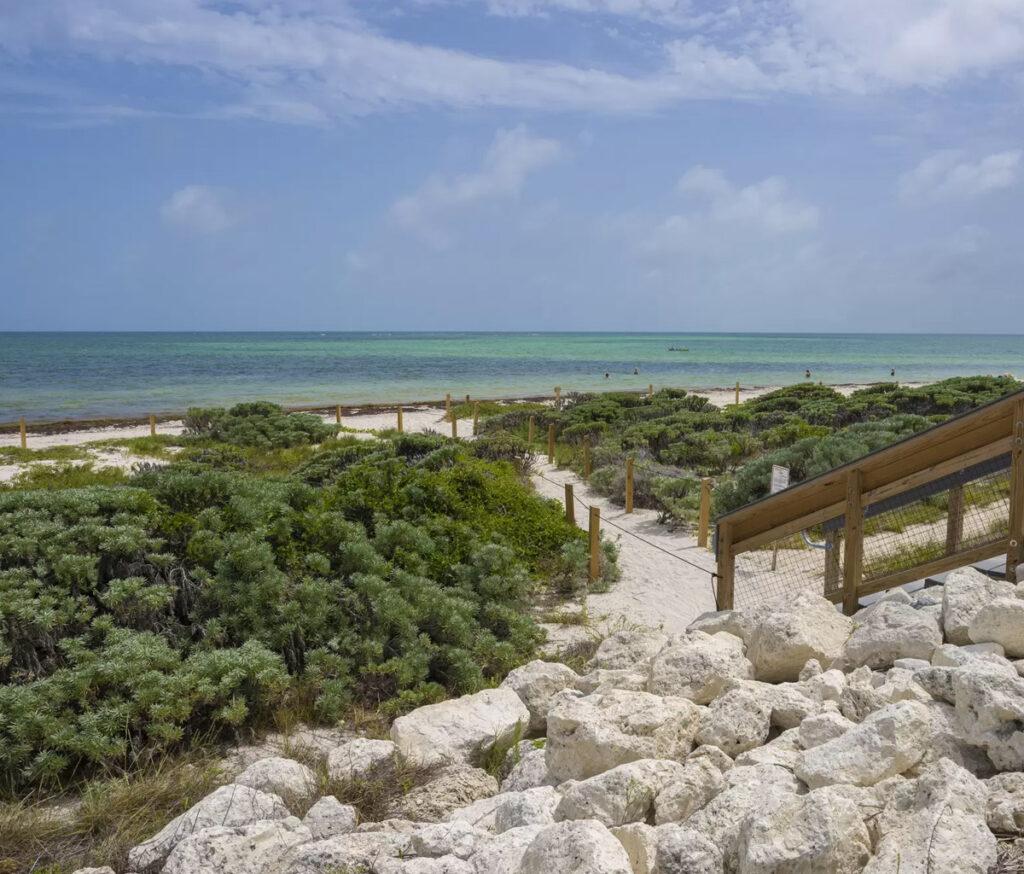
point(200, 209)
point(949, 175)
point(513, 155)
point(311, 62)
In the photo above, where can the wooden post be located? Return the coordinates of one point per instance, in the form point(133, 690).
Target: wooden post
point(467, 399)
point(558, 397)
point(955, 519)
point(476, 416)
point(1015, 551)
point(726, 567)
point(448, 405)
point(704, 519)
point(455, 427)
point(570, 511)
point(21, 430)
point(586, 458)
point(595, 544)
point(853, 533)
point(737, 392)
point(551, 443)
point(629, 485)
point(337, 414)
point(152, 425)
point(832, 568)
point(400, 429)
point(650, 390)
point(531, 429)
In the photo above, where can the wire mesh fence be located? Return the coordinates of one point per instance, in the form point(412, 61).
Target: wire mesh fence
point(952, 514)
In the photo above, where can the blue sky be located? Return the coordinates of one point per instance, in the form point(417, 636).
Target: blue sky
point(805, 165)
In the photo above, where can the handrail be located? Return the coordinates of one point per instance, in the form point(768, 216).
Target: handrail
point(944, 450)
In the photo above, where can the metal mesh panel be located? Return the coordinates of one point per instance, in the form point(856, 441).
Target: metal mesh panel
point(789, 565)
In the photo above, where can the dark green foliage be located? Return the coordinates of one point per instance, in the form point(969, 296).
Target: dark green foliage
point(259, 424)
point(504, 446)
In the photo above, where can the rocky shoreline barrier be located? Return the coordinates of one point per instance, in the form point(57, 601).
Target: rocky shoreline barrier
point(784, 738)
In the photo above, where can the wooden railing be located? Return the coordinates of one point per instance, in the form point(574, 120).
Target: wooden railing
point(991, 436)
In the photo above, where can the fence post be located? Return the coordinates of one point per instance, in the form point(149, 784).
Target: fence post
point(467, 399)
point(21, 431)
point(558, 397)
point(595, 544)
point(337, 414)
point(704, 519)
point(726, 567)
point(400, 420)
point(476, 416)
point(455, 427)
point(737, 392)
point(551, 443)
point(853, 534)
point(570, 512)
point(531, 429)
point(954, 519)
point(586, 458)
point(629, 485)
point(448, 405)
point(1016, 526)
point(650, 390)
point(152, 425)
point(832, 566)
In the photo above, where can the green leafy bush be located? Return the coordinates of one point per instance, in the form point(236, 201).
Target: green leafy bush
point(259, 424)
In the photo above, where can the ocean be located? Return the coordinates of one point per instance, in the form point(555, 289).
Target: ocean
point(46, 376)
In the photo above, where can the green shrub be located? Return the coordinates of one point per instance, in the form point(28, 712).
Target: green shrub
point(259, 424)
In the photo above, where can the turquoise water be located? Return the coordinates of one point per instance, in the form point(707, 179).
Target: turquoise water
point(67, 375)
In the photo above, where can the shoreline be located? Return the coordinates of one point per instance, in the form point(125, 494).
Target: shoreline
point(718, 395)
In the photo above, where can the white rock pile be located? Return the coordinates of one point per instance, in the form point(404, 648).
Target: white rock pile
point(786, 738)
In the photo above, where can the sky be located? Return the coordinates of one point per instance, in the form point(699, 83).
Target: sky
point(666, 165)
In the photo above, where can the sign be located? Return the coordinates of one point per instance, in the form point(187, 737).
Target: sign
point(780, 478)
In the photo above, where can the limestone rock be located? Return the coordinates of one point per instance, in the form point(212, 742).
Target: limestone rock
point(457, 839)
point(359, 758)
point(593, 734)
point(607, 679)
point(735, 622)
point(292, 780)
point(792, 631)
point(529, 772)
point(329, 818)
point(628, 649)
point(251, 849)
point(887, 742)
point(989, 702)
point(697, 666)
point(530, 807)
point(357, 851)
point(535, 683)
point(949, 741)
point(1000, 621)
point(580, 847)
point(640, 841)
point(735, 722)
point(783, 751)
point(228, 806)
point(451, 788)
point(889, 631)
point(819, 832)
point(681, 849)
point(822, 728)
point(1005, 808)
point(700, 780)
point(480, 814)
point(623, 794)
point(504, 853)
point(965, 593)
point(106, 869)
point(459, 730)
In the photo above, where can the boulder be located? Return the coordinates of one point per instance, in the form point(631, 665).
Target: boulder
point(824, 686)
point(535, 683)
point(989, 701)
point(329, 818)
point(783, 751)
point(593, 734)
point(628, 649)
point(623, 794)
point(735, 722)
point(818, 832)
point(357, 851)
point(480, 814)
point(949, 741)
point(529, 772)
point(1005, 807)
point(801, 627)
point(457, 839)
point(530, 807)
point(607, 679)
point(106, 869)
point(293, 781)
point(681, 850)
point(887, 742)
point(461, 729)
point(580, 847)
point(451, 788)
point(424, 865)
point(229, 806)
point(359, 758)
point(965, 592)
point(888, 631)
point(935, 824)
point(504, 853)
point(701, 779)
point(820, 729)
point(736, 622)
point(251, 849)
point(1000, 621)
point(640, 841)
point(697, 666)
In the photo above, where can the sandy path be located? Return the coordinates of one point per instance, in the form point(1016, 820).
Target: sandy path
point(656, 590)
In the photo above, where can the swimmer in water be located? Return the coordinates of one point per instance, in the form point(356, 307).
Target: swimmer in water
point(606, 374)
point(636, 371)
point(807, 373)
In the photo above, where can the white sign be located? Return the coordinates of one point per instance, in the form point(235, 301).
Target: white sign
point(780, 478)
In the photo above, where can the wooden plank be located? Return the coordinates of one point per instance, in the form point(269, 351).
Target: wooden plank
point(1015, 534)
point(853, 537)
point(954, 519)
point(595, 544)
point(936, 566)
point(570, 509)
point(705, 512)
point(726, 567)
